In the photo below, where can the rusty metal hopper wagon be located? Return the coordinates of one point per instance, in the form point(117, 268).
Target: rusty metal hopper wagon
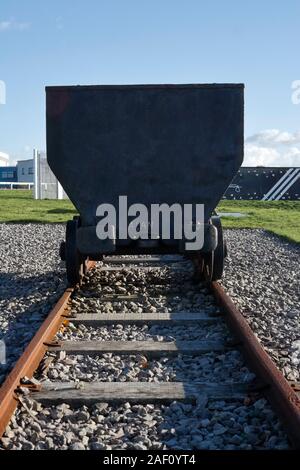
point(155, 144)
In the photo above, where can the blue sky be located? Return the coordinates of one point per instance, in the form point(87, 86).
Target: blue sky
point(168, 41)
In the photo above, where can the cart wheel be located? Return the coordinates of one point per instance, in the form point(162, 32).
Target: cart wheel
point(74, 260)
point(220, 252)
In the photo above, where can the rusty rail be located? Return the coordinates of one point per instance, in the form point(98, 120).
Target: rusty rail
point(278, 391)
point(31, 357)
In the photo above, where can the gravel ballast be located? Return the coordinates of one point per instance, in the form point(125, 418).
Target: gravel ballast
point(263, 278)
point(210, 424)
point(32, 279)
point(207, 425)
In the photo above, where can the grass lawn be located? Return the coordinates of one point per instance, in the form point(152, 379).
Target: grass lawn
point(19, 206)
point(280, 217)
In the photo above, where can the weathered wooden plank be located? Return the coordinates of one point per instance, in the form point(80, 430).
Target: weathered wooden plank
point(115, 297)
point(137, 392)
point(143, 259)
point(185, 268)
point(95, 319)
point(150, 348)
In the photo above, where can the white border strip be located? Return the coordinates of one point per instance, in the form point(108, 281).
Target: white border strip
point(288, 186)
point(283, 185)
point(286, 174)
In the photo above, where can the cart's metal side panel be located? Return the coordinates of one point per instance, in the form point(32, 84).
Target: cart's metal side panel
point(155, 144)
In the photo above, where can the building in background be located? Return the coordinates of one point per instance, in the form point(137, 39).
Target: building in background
point(9, 177)
point(34, 172)
point(25, 170)
point(46, 185)
point(8, 174)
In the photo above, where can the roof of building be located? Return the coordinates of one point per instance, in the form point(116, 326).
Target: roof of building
point(26, 160)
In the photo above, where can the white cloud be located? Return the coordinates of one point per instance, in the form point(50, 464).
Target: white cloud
point(273, 147)
point(256, 156)
point(9, 25)
point(4, 155)
point(274, 136)
point(293, 156)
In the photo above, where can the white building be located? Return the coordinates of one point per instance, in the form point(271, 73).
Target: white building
point(46, 185)
point(4, 159)
point(25, 169)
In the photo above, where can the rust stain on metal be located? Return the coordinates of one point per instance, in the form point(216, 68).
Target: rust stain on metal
point(295, 386)
point(31, 387)
point(278, 391)
point(53, 344)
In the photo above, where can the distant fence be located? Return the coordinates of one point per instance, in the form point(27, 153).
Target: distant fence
point(265, 183)
point(14, 185)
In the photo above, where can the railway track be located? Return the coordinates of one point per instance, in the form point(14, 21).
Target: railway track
point(139, 332)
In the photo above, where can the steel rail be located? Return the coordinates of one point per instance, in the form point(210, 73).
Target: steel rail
point(31, 357)
point(277, 389)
